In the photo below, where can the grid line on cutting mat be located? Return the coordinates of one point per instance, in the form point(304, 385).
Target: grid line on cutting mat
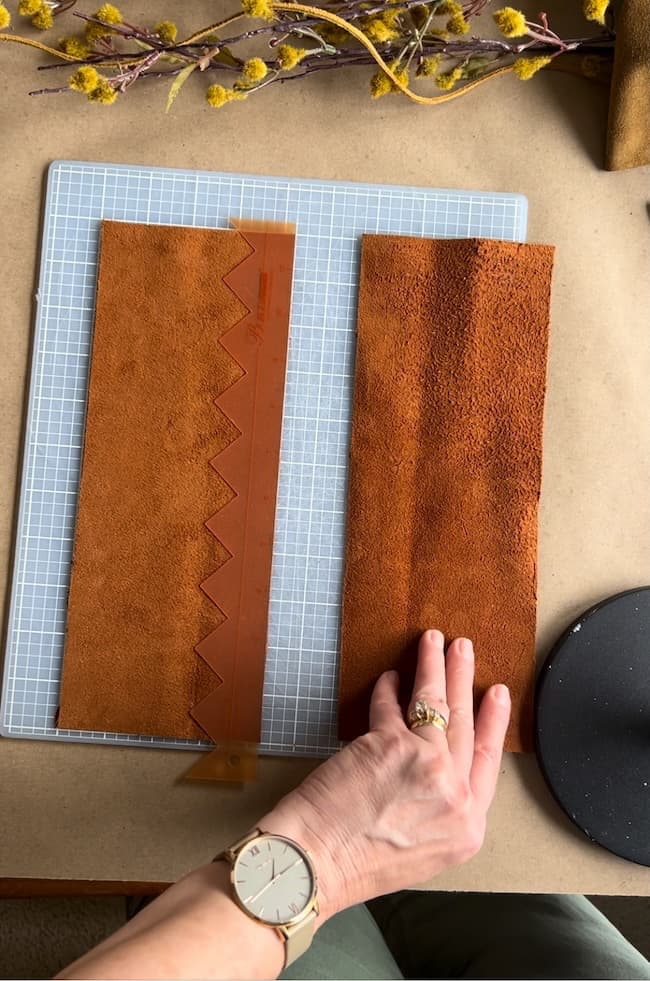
point(299, 712)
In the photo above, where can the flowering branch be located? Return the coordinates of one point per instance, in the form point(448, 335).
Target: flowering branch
point(432, 40)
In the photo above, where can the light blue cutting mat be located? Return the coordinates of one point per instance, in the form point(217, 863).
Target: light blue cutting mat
point(299, 713)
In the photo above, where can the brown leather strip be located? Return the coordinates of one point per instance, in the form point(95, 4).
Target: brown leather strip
point(136, 609)
point(445, 462)
point(241, 586)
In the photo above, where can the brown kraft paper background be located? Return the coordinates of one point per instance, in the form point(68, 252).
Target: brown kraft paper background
point(136, 609)
point(445, 462)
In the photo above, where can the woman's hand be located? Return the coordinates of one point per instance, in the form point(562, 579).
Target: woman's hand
point(392, 809)
point(396, 806)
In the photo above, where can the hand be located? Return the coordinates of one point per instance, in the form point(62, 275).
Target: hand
point(396, 807)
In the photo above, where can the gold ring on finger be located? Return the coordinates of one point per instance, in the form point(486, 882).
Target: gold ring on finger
point(423, 715)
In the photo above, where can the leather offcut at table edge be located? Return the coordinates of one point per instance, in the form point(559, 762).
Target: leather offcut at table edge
point(628, 126)
point(445, 463)
point(142, 548)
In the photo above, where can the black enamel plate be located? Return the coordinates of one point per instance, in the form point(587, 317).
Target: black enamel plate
point(593, 724)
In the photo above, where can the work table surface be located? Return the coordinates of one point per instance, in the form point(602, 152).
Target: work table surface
point(109, 813)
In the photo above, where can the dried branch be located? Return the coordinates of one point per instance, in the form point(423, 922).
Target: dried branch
point(431, 39)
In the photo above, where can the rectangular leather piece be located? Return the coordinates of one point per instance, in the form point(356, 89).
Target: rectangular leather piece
point(184, 404)
point(445, 463)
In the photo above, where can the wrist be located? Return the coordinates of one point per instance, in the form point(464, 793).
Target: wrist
point(293, 822)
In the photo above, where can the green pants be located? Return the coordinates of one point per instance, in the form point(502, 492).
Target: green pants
point(470, 935)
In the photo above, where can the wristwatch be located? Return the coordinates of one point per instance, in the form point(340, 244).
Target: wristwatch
point(273, 881)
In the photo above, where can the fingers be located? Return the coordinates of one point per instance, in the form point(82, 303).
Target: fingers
point(430, 684)
point(385, 711)
point(460, 680)
point(491, 725)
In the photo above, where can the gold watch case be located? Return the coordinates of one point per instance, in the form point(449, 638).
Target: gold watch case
point(233, 854)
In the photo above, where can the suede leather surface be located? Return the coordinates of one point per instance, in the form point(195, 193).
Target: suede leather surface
point(136, 609)
point(446, 458)
point(628, 133)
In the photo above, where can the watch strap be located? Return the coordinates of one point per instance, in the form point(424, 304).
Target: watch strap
point(229, 854)
point(298, 938)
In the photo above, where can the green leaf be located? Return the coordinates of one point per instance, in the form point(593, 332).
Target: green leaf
point(475, 67)
point(226, 57)
point(178, 83)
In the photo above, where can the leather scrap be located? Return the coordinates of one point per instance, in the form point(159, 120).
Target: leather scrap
point(445, 464)
point(136, 610)
point(628, 127)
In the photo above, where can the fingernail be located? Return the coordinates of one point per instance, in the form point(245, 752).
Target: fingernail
point(466, 647)
point(437, 637)
point(501, 694)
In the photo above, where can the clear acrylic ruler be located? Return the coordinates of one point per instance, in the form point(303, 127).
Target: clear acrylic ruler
point(299, 713)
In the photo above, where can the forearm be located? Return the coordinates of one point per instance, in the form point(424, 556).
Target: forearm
point(392, 809)
point(193, 930)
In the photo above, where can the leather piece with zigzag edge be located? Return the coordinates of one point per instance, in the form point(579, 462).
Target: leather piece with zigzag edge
point(135, 609)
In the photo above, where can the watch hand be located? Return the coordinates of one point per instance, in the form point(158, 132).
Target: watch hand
point(274, 879)
point(292, 866)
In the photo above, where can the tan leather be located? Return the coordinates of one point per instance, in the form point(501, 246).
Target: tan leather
point(445, 463)
point(235, 650)
point(136, 609)
point(298, 938)
point(628, 134)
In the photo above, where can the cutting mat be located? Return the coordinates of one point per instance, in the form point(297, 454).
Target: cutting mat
point(299, 714)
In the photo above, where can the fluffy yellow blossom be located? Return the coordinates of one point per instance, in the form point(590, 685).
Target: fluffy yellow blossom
point(5, 17)
point(401, 74)
point(525, 68)
point(85, 79)
point(510, 22)
point(391, 15)
point(75, 46)
point(377, 30)
point(289, 57)
point(449, 7)
point(447, 80)
point(218, 96)
point(595, 10)
point(380, 84)
point(109, 14)
point(103, 93)
point(258, 8)
point(28, 7)
point(43, 19)
point(457, 24)
point(254, 70)
point(429, 66)
point(166, 31)
point(94, 31)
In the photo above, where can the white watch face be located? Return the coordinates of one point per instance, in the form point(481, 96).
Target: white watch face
point(273, 879)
